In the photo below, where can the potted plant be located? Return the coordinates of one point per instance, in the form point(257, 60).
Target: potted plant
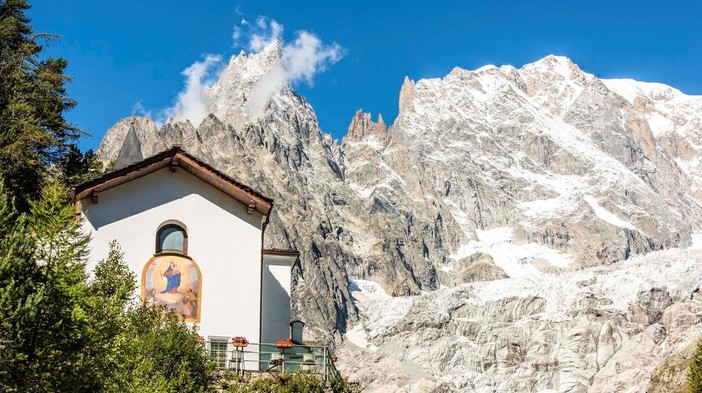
point(240, 342)
point(284, 343)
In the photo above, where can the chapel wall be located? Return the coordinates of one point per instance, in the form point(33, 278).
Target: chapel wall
point(223, 240)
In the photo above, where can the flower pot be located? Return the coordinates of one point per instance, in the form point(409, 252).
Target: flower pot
point(240, 342)
point(284, 343)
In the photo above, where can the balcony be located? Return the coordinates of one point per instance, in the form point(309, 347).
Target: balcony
point(263, 357)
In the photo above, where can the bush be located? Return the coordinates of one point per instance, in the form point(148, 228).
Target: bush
point(60, 331)
point(694, 374)
point(299, 382)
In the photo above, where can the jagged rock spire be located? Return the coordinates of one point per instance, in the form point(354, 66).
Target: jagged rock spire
point(130, 151)
point(362, 126)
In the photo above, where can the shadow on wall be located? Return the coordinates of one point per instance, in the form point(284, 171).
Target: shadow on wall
point(158, 189)
point(275, 309)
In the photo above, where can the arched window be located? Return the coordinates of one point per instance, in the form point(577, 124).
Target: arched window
point(172, 238)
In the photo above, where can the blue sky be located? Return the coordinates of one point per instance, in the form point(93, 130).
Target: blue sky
point(125, 52)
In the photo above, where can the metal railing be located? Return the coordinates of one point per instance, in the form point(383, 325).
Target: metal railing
point(262, 357)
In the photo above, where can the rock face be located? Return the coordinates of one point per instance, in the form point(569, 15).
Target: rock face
point(487, 183)
point(567, 332)
point(282, 153)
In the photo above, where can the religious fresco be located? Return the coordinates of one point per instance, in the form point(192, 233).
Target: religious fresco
point(175, 282)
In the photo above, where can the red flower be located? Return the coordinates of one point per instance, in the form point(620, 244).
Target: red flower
point(284, 343)
point(240, 341)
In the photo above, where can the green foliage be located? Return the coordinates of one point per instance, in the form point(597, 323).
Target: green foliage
point(161, 354)
point(20, 297)
point(300, 382)
point(60, 331)
point(694, 374)
point(33, 99)
point(109, 294)
point(77, 167)
point(285, 382)
point(42, 282)
point(341, 386)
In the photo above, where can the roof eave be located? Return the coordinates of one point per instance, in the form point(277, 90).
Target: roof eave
point(177, 158)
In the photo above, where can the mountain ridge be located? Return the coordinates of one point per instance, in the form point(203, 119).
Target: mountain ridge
point(498, 174)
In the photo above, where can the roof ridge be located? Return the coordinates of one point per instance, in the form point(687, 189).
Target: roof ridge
point(159, 161)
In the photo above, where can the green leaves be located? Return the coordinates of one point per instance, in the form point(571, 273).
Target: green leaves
point(60, 331)
point(298, 382)
point(163, 352)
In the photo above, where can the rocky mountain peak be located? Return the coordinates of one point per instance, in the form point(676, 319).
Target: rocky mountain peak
point(554, 66)
point(252, 65)
point(501, 192)
point(250, 86)
point(554, 82)
point(247, 86)
point(115, 137)
point(406, 93)
point(362, 126)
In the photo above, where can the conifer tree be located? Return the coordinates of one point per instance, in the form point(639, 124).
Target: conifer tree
point(60, 331)
point(42, 291)
point(33, 100)
point(19, 297)
point(77, 167)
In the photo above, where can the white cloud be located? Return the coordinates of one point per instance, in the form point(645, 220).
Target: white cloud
point(307, 56)
point(267, 86)
point(236, 35)
point(263, 33)
point(190, 103)
point(303, 58)
point(238, 31)
point(139, 110)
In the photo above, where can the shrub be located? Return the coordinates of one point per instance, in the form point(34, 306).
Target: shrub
point(694, 374)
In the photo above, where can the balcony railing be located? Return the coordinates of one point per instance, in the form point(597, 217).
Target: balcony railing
point(261, 357)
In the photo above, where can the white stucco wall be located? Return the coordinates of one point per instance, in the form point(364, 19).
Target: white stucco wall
point(223, 239)
point(275, 320)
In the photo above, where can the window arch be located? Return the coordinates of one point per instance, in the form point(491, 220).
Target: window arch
point(172, 238)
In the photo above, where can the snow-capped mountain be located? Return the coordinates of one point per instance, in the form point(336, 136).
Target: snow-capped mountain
point(468, 240)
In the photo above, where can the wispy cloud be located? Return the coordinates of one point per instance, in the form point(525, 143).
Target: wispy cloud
point(190, 103)
point(139, 110)
point(303, 58)
point(263, 32)
point(308, 55)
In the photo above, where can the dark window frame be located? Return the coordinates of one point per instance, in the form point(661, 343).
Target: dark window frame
point(159, 246)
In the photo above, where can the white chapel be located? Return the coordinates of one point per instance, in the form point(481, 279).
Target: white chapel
point(194, 238)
